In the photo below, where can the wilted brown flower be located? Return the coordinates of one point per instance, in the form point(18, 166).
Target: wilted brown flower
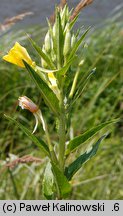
point(26, 103)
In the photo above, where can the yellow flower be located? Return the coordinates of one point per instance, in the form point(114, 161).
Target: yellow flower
point(53, 84)
point(52, 79)
point(17, 54)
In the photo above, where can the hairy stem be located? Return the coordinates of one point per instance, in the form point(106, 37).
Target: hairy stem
point(62, 136)
point(53, 155)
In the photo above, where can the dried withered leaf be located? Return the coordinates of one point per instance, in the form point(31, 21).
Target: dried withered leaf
point(24, 159)
point(79, 7)
point(11, 21)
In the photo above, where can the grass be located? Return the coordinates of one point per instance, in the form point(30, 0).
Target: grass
point(101, 100)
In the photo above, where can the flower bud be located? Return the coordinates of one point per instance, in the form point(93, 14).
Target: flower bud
point(73, 40)
point(47, 42)
point(54, 30)
point(43, 62)
point(64, 16)
point(67, 43)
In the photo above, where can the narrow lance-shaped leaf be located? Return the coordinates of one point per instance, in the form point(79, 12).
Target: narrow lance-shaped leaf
point(73, 22)
point(63, 184)
point(81, 86)
point(76, 93)
point(60, 71)
point(59, 39)
point(77, 141)
point(64, 16)
point(77, 164)
point(77, 44)
point(48, 181)
point(42, 54)
point(47, 94)
point(38, 142)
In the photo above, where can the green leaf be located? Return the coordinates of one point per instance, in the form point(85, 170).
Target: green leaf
point(62, 182)
point(47, 94)
point(73, 22)
point(77, 164)
point(61, 71)
point(48, 182)
point(42, 54)
point(82, 84)
point(77, 141)
point(39, 143)
point(64, 16)
point(77, 44)
point(58, 39)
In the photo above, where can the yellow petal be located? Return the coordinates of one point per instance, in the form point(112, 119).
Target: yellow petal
point(14, 60)
point(52, 79)
point(17, 54)
point(23, 53)
point(54, 86)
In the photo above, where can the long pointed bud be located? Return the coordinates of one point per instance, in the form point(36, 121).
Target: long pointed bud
point(47, 42)
point(67, 43)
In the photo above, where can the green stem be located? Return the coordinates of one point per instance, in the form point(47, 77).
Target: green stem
point(52, 152)
point(62, 135)
point(58, 195)
point(74, 83)
point(53, 157)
